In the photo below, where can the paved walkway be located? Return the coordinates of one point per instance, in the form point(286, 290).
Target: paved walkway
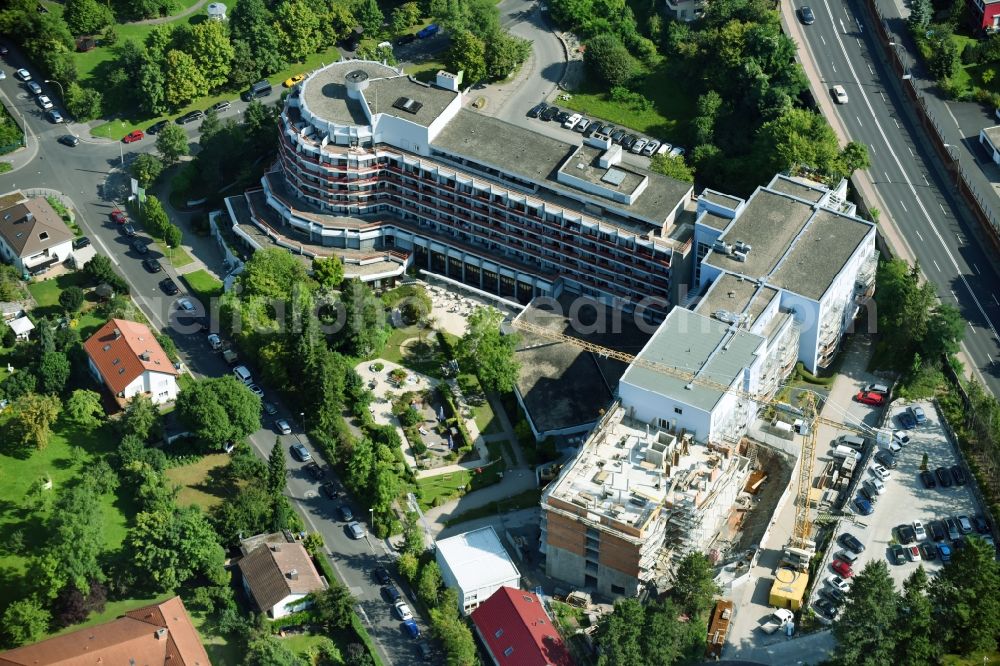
point(202, 249)
point(508, 431)
point(513, 483)
point(167, 19)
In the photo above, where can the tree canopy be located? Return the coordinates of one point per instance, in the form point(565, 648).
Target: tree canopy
point(485, 350)
point(219, 410)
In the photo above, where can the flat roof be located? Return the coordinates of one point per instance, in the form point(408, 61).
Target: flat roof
point(536, 157)
point(696, 344)
point(734, 294)
point(820, 253)
point(477, 558)
point(720, 199)
point(797, 188)
point(325, 94)
point(993, 134)
point(714, 220)
point(584, 163)
point(769, 223)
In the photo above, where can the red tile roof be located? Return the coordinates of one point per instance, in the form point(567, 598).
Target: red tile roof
point(148, 636)
point(124, 356)
point(515, 628)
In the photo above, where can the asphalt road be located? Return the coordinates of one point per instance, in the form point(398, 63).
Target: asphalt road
point(90, 175)
point(910, 180)
point(525, 19)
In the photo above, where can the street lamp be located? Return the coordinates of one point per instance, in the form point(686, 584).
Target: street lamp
point(302, 417)
point(371, 513)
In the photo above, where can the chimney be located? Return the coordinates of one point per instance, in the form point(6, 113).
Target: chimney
point(293, 574)
point(118, 334)
point(276, 547)
point(144, 355)
point(29, 216)
point(161, 633)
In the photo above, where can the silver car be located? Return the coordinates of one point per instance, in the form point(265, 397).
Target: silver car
point(356, 530)
point(651, 148)
point(638, 146)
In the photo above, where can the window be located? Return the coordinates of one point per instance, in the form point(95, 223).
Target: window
point(498, 633)
point(678, 410)
point(509, 651)
point(617, 589)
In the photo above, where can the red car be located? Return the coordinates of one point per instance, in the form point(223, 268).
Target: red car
point(134, 135)
point(119, 217)
point(842, 568)
point(870, 398)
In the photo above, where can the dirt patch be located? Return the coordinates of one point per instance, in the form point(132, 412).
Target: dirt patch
point(778, 467)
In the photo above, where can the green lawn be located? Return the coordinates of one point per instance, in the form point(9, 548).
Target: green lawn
point(423, 357)
point(664, 87)
point(203, 285)
point(976, 659)
point(486, 420)
point(525, 500)
point(64, 465)
point(46, 294)
point(195, 480)
point(425, 71)
point(444, 486)
point(177, 256)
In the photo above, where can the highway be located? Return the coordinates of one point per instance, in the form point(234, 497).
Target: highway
point(90, 175)
point(917, 195)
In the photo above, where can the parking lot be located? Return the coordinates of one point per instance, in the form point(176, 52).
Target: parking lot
point(906, 499)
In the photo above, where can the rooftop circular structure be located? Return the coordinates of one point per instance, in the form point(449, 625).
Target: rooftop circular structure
point(333, 93)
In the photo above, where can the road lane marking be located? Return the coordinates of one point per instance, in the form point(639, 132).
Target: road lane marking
point(908, 148)
point(822, 40)
point(871, 70)
point(918, 235)
point(939, 269)
point(973, 328)
point(903, 205)
point(906, 179)
point(989, 356)
point(954, 295)
point(976, 268)
point(859, 121)
point(842, 28)
point(948, 109)
point(887, 179)
point(871, 149)
point(995, 299)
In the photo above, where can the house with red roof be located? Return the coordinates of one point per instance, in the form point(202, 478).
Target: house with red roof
point(125, 356)
point(517, 631)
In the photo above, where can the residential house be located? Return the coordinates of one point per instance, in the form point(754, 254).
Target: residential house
point(516, 630)
point(278, 574)
point(22, 328)
point(33, 237)
point(125, 356)
point(156, 635)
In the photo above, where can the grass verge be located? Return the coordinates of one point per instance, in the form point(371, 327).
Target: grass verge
point(524, 500)
point(203, 284)
point(196, 481)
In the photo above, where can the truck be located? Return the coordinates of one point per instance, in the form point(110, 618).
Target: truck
point(429, 31)
point(778, 619)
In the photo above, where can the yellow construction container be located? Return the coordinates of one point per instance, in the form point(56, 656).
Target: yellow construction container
point(788, 588)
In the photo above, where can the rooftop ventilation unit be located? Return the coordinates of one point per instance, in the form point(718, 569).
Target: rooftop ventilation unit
point(743, 247)
point(720, 246)
point(739, 256)
point(726, 316)
point(408, 105)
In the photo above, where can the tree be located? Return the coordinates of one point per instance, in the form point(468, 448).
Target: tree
point(25, 621)
point(209, 47)
point(369, 16)
point(73, 606)
point(146, 168)
point(491, 353)
point(141, 418)
point(31, 419)
point(694, 587)
point(365, 329)
point(171, 143)
point(620, 634)
point(219, 410)
point(673, 167)
point(152, 89)
point(944, 59)
point(84, 408)
point(504, 54)
point(87, 17)
point(662, 639)
point(360, 465)
point(172, 547)
point(921, 13)
point(173, 236)
point(915, 624)
point(429, 583)
point(255, 42)
point(53, 372)
point(963, 595)
point(798, 138)
point(71, 299)
point(210, 126)
point(945, 330)
point(854, 157)
point(328, 271)
point(272, 273)
point(269, 650)
point(99, 269)
point(20, 383)
point(297, 29)
point(609, 60)
point(866, 625)
point(276, 469)
point(407, 564)
point(454, 634)
point(467, 54)
point(404, 16)
point(184, 80)
point(334, 607)
point(84, 103)
point(250, 512)
point(75, 531)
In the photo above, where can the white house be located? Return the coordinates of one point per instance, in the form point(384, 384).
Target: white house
point(32, 236)
point(22, 328)
point(125, 357)
point(476, 565)
point(278, 575)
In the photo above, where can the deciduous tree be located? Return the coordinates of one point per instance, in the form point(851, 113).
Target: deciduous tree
point(369, 16)
point(172, 143)
point(86, 17)
point(71, 299)
point(75, 541)
point(404, 16)
point(963, 595)
point(172, 547)
point(141, 418)
point(146, 168)
point(467, 54)
point(84, 408)
point(209, 46)
point(485, 349)
point(334, 607)
point(365, 329)
point(609, 60)
point(219, 410)
point(25, 621)
point(184, 81)
point(328, 271)
point(31, 419)
point(83, 103)
point(298, 31)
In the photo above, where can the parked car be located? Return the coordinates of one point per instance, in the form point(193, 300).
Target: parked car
point(928, 478)
point(425, 651)
point(268, 407)
point(868, 492)
point(918, 530)
point(676, 151)
point(964, 524)
point(283, 427)
point(936, 530)
point(152, 265)
point(83, 241)
point(140, 246)
point(187, 306)
point(54, 116)
point(356, 530)
point(618, 135)
point(69, 140)
point(886, 459)
point(156, 127)
point(877, 388)
point(315, 472)
point(537, 109)
point(129, 230)
point(381, 576)
point(563, 116)
point(918, 415)
point(34, 88)
point(826, 608)
point(806, 15)
point(402, 610)
point(901, 437)
point(168, 286)
point(412, 629)
point(873, 399)
point(23, 74)
point(896, 554)
point(330, 490)
point(851, 542)
point(913, 553)
point(982, 527)
point(44, 101)
point(943, 475)
point(906, 533)
point(406, 39)
point(628, 141)
point(346, 514)
point(880, 471)
point(292, 80)
point(958, 474)
point(864, 506)
point(651, 148)
point(944, 552)
point(839, 94)
point(133, 136)
point(549, 113)
point(300, 452)
point(391, 593)
point(928, 551)
point(906, 420)
point(951, 525)
point(637, 147)
point(834, 595)
point(219, 107)
point(190, 117)
point(839, 583)
point(582, 125)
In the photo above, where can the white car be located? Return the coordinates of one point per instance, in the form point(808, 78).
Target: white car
point(839, 94)
point(839, 583)
point(403, 611)
point(572, 121)
point(283, 427)
point(45, 102)
point(256, 390)
point(901, 437)
point(893, 446)
point(880, 471)
point(3, 75)
point(918, 528)
point(24, 74)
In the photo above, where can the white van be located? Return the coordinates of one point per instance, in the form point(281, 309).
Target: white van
point(572, 121)
point(851, 441)
point(846, 452)
point(243, 374)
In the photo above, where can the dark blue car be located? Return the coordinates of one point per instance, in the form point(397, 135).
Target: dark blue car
point(412, 629)
point(864, 506)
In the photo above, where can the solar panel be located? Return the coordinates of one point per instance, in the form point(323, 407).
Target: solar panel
point(407, 104)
